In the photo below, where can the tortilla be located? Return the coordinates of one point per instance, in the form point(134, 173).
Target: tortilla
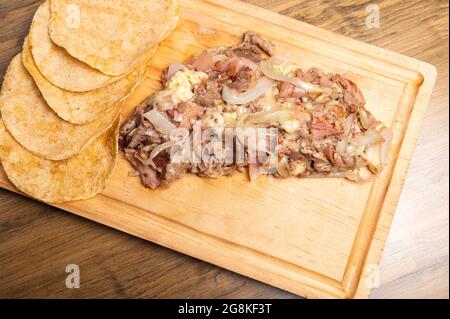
point(80, 177)
point(35, 126)
point(111, 35)
point(59, 67)
point(80, 108)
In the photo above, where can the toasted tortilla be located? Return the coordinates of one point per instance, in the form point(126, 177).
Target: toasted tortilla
point(59, 67)
point(110, 36)
point(80, 177)
point(36, 126)
point(85, 107)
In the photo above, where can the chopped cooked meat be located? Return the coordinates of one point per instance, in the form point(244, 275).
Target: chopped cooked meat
point(174, 171)
point(301, 114)
point(148, 175)
point(251, 47)
point(189, 112)
point(249, 54)
point(319, 123)
point(131, 125)
point(208, 93)
point(326, 81)
point(352, 94)
point(286, 89)
point(255, 39)
point(244, 79)
point(126, 129)
point(229, 65)
point(162, 102)
point(161, 161)
point(235, 64)
point(138, 137)
point(289, 90)
point(214, 170)
point(305, 76)
point(321, 130)
point(203, 62)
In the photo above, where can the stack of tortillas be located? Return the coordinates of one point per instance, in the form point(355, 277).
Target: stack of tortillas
point(61, 97)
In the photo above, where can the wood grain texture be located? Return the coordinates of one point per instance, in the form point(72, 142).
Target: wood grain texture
point(43, 282)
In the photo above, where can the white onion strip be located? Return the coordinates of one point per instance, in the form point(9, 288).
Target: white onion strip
point(160, 122)
point(261, 87)
point(158, 149)
point(341, 146)
point(174, 68)
point(219, 58)
point(267, 68)
point(266, 118)
point(368, 139)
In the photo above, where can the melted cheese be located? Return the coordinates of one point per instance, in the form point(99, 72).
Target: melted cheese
point(181, 85)
point(285, 68)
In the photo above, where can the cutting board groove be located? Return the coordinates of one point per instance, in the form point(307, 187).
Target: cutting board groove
point(316, 238)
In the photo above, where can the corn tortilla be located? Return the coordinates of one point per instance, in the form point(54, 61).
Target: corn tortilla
point(59, 67)
point(36, 126)
point(110, 36)
point(85, 107)
point(77, 178)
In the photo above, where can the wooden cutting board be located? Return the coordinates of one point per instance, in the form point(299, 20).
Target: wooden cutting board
point(313, 237)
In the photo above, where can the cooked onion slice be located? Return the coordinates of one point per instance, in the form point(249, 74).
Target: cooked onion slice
point(368, 139)
point(258, 89)
point(283, 167)
point(158, 149)
point(372, 157)
point(341, 146)
point(160, 122)
point(174, 68)
point(219, 58)
point(266, 118)
point(268, 70)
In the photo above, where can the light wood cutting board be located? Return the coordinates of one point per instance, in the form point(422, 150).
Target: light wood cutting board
point(313, 237)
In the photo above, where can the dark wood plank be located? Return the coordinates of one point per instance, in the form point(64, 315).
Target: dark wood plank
point(15, 20)
point(38, 241)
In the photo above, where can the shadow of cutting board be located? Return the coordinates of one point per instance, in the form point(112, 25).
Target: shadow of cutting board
point(313, 237)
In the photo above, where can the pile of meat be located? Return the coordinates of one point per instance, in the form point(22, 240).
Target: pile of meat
point(323, 127)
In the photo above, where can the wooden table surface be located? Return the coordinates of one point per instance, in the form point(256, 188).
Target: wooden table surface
point(37, 241)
